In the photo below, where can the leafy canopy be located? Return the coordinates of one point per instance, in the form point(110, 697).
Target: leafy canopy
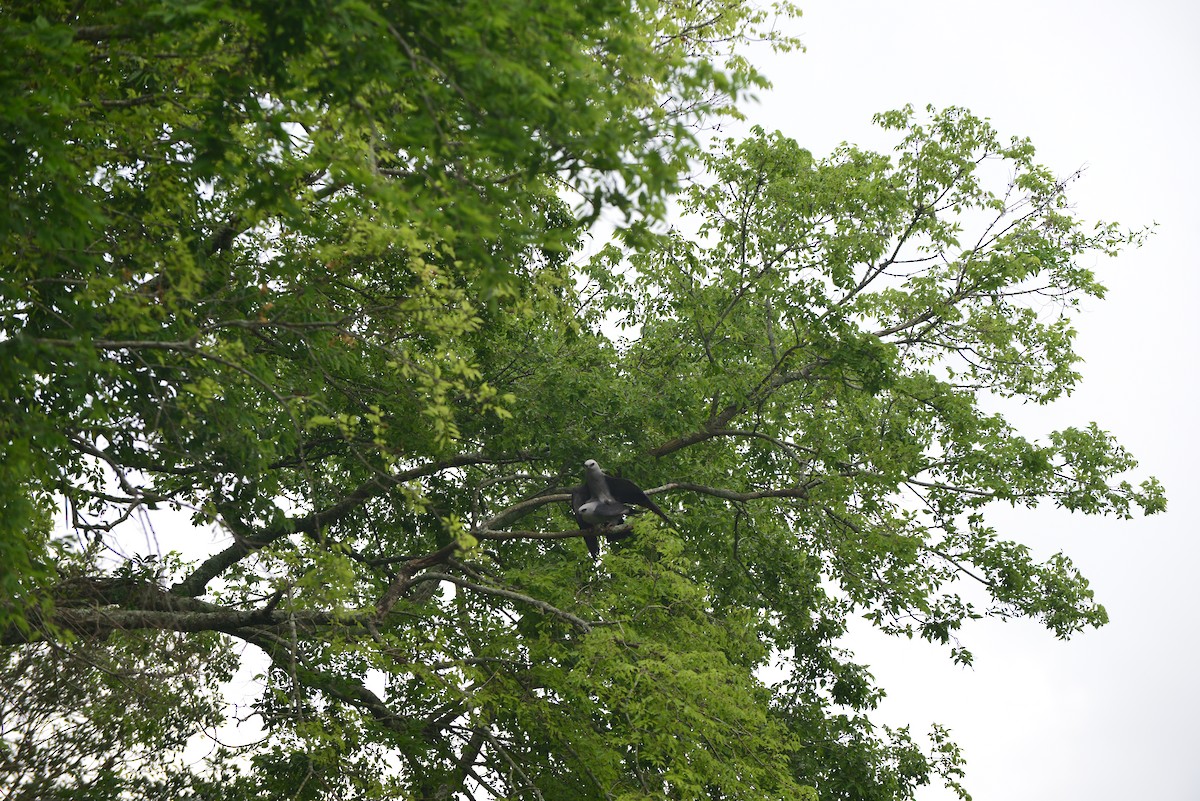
point(310, 276)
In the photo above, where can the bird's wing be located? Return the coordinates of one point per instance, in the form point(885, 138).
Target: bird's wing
point(580, 496)
point(626, 491)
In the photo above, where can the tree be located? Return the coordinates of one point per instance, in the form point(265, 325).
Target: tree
point(311, 275)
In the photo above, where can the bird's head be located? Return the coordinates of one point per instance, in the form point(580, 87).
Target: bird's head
point(590, 465)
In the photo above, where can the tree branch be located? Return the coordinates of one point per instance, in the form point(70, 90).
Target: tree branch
point(196, 583)
point(511, 595)
point(101, 616)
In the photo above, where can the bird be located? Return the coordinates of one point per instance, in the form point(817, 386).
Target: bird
point(604, 500)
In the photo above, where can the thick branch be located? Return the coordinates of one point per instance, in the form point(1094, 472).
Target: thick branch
point(733, 495)
point(486, 532)
point(404, 579)
point(524, 507)
point(212, 567)
point(99, 622)
point(98, 606)
point(711, 429)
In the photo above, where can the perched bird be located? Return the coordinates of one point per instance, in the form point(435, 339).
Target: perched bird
point(604, 500)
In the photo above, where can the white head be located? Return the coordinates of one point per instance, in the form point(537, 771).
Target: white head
point(590, 464)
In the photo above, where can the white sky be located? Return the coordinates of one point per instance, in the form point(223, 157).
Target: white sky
point(1110, 714)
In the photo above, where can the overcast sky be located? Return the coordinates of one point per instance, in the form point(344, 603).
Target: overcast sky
point(1115, 87)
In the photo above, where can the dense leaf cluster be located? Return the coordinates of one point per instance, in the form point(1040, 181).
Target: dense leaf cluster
point(310, 276)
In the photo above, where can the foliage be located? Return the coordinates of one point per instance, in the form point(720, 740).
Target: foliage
point(309, 276)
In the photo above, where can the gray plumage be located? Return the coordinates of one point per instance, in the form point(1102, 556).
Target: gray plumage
point(604, 500)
